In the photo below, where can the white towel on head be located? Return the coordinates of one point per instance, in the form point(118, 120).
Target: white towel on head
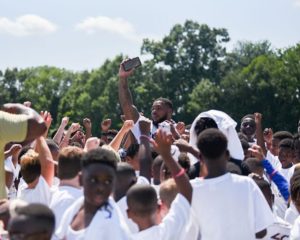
point(226, 125)
point(106, 224)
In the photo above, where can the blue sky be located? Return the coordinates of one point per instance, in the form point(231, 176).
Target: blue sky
point(79, 35)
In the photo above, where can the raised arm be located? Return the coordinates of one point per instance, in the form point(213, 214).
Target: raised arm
point(125, 97)
point(144, 153)
point(116, 142)
point(46, 160)
point(259, 132)
point(60, 132)
point(162, 144)
point(87, 123)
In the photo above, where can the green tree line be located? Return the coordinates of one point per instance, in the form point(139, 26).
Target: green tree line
point(191, 66)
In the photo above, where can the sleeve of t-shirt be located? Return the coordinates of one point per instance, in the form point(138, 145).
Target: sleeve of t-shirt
point(262, 211)
point(13, 127)
point(176, 219)
point(295, 232)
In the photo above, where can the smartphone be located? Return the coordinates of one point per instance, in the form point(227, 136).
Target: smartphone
point(164, 126)
point(131, 63)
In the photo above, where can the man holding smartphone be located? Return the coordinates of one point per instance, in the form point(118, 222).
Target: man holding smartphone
point(162, 108)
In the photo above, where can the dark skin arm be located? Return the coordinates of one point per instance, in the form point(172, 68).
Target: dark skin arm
point(144, 154)
point(36, 125)
point(125, 97)
point(259, 132)
point(162, 145)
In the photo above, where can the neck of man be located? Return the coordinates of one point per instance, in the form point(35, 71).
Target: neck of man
point(216, 169)
point(146, 222)
point(33, 184)
point(74, 182)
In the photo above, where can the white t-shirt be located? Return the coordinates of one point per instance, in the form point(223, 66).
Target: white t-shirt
point(295, 232)
point(75, 235)
point(10, 167)
point(172, 225)
point(63, 198)
point(107, 223)
point(278, 230)
point(273, 160)
point(40, 194)
point(291, 214)
point(230, 207)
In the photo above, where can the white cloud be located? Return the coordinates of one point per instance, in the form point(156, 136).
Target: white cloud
point(27, 25)
point(118, 26)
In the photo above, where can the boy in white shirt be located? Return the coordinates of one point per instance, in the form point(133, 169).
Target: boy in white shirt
point(231, 202)
point(143, 207)
point(69, 189)
point(95, 215)
point(37, 169)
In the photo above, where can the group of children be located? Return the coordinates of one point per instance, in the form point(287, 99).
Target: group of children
point(147, 180)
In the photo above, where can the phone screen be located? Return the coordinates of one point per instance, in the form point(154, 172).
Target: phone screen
point(132, 63)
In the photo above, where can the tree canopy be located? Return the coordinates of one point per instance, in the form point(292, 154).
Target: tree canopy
point(191, 66)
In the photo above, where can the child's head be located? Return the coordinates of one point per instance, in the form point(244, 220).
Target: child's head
point(167, 193)
point(69, 162)
point(142, 203)
point(255, 166)
point(265, 189)
point(212, 144)
point(277, 137)
point(33, 221)
point(30, 166)
point(286, 152)
point(126, 177)
point(98, 175)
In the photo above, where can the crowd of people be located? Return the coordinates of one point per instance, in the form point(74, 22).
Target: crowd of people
point(152, 179)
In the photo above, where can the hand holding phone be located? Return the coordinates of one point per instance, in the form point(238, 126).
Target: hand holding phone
point(131, 64)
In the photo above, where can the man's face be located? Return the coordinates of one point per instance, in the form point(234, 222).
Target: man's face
point(275, 146)
point(98, 182)
point(248, 127)
point(286, 156)
point(160, 112)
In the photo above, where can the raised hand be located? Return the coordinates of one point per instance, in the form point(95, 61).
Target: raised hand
point(74, 127)
point(122, 73)
point(128, 125)
point(65, 121)
point(105, 125)
point(162, 143)
point(145, 125)
point(257, 152)
point(180, 127)
point(47, 118)
point(87, 123)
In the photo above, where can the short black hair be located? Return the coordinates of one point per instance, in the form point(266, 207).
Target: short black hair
point(52, 145)
point(286, 143)
point(166, 101)
point(69, 162)
point(280, 135)
point(38, 215)
point(142, 199)
point(132, 150)
point(204, 123)
point(233, 168)
point(99, 155)
point(212, 143)
point(248, 116)
point(253, 164)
